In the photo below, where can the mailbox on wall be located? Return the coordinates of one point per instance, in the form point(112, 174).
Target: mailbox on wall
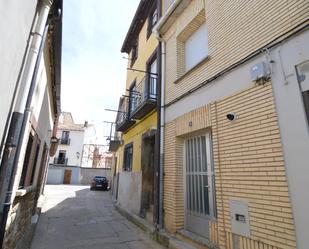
point(239, 213)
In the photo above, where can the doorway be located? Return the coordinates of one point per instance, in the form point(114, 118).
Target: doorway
point(147, 165)
point(199, 184)
point(67, 176)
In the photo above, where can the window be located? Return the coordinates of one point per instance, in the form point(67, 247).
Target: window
point(134, 52)
point(303, 80)
point(152, 68)
point(30, 161)
point(132, 97)
point(128, 157)
point(26, 162)
point(65, 137)
point(192, 44)
point(61, 159)
point(196, 47)
point(152, 20)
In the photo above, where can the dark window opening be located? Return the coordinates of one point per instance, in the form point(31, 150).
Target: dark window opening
point(306, 103)
point(65, 137)
point(35, 163)
point(132, 97)
point(61, 157)
point(152, 21)
point(26, 162)
point(134, 53)
point(128, 157)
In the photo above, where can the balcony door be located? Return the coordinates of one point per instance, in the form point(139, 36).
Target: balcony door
point(152, 68)
point(199, 193)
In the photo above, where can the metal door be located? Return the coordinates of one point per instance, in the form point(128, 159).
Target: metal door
point(199, 194)
point(67, 176)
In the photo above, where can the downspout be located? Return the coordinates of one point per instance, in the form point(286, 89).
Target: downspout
point(162, 121)
point(12, 155)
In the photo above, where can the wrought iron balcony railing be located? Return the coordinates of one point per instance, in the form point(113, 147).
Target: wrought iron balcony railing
point(144, 97)
point(65, 141)
point(61, 160)
point(123, 120)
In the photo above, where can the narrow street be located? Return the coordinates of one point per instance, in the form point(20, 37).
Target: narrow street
point(73, 217)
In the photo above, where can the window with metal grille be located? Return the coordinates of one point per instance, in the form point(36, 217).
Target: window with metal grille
point(128, 157)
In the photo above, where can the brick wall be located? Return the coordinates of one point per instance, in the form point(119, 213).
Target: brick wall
point(248, 162)
point(235, 29)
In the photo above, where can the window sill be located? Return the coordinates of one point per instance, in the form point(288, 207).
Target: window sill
point(24, 191)
point(192, 69)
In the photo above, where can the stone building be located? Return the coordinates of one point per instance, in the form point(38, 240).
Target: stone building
point(236, 122)
point(29, 106)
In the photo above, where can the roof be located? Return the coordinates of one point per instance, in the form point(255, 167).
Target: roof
point(66, 122)
point(55, 32)
point(137, 23)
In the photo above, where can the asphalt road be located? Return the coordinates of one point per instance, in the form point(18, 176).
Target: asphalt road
point(73, 217)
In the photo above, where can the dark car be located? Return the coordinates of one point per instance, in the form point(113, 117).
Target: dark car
point(99, 182)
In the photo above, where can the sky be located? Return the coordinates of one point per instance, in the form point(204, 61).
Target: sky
point(93, 70)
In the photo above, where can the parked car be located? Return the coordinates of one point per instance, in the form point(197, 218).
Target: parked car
point(99, 182)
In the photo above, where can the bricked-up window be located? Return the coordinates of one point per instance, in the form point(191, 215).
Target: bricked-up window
point(128, 157)
point(303, 80)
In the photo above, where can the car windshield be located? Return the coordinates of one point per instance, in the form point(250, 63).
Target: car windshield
point(100, 178)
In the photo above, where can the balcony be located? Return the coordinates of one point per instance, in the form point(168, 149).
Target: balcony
point(144, 97)
point(65, 141)
point(61, 160)
point(123, 120)
point(114, 144)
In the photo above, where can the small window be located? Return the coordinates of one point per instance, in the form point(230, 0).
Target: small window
point(134, 53)
point(61, 159)
point(65, 137)
point(128, 157)
point(303, 80)
point(30, 161)
point(152, 20)
point(26, 162)
point(132, 97)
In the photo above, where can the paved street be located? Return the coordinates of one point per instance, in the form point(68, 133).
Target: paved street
point(73, 217)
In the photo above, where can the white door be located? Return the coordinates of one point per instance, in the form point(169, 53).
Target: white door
point(199, 194)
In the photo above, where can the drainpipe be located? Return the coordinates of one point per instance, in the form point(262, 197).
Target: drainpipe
point(14, 146)
point(162, 121)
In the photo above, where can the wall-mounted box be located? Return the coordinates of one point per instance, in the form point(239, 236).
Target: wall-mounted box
point(259, 71)
point(239, 213)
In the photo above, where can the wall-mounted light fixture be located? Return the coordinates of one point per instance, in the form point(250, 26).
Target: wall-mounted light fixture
point(231, 116)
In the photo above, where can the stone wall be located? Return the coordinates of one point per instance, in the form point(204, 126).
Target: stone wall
point(19, 230)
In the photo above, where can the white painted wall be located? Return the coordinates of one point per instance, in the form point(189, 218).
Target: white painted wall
point(294, 128)
point(75, 147)
point(129, 191)
point(15, 26)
